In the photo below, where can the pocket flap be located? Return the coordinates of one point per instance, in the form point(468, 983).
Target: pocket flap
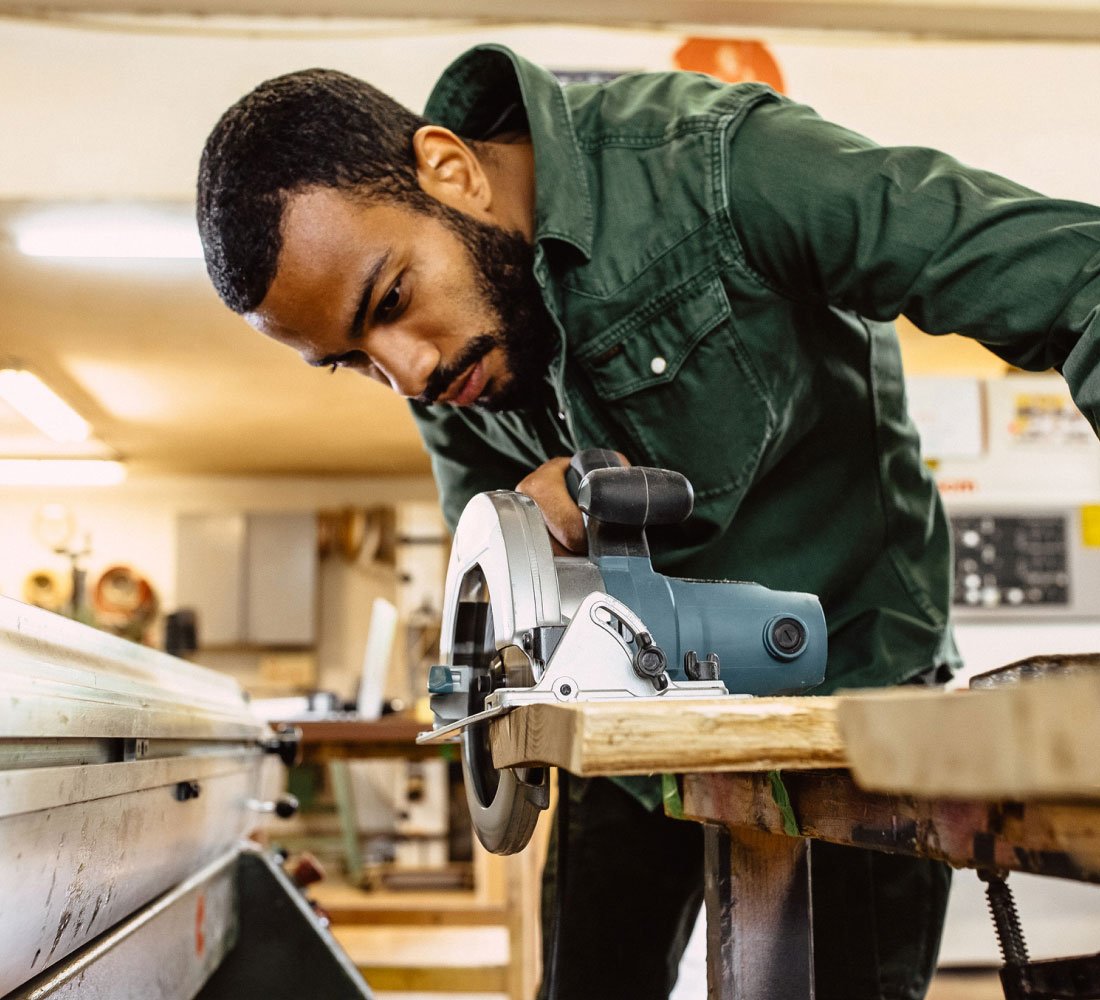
point(648, 347)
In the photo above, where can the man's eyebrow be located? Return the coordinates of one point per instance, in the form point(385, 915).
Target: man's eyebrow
point(355, 327)
point(370, 279)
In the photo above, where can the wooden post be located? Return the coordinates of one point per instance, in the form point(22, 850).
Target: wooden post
point(759, 926)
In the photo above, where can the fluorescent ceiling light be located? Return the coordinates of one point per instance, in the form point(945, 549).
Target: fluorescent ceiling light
point(60, 472)
point(28, 394)
point(108, 231)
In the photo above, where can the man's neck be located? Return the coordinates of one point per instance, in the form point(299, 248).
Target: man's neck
point(511, 169)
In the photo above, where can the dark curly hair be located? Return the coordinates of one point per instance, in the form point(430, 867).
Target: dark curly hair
point(316, 127)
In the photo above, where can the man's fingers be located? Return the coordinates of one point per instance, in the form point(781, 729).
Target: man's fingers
point(546, 486)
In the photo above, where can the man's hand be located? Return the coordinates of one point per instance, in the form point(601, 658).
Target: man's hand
point(546, 486)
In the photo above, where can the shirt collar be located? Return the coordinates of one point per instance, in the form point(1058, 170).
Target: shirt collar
point(474, 94)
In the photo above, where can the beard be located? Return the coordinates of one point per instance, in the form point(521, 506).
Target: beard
point(503, 265)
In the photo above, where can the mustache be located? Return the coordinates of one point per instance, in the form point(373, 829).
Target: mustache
point(444, 376)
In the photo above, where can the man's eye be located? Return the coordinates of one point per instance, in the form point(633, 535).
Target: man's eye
point(389, 304)
point(353, 359)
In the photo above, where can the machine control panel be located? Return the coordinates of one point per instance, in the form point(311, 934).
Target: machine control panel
point(1023, 564)
point(1011, 561)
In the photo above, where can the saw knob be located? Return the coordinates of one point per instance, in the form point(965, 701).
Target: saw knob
point(785, 637)
point(650, 661)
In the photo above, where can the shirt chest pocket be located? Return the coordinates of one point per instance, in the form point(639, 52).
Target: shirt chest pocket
point(673, 385)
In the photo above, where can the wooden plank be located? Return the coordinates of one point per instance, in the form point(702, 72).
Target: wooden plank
point(325, 740)
point(652, 735)
point(1037, 739)
point(339, 898)
point(419, 916)
point(349, 905)
point(440, 982)
point(451, 959)
point(449, 947)
point(1058, 839)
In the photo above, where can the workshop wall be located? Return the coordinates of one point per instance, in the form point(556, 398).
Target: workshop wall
point(135, 524)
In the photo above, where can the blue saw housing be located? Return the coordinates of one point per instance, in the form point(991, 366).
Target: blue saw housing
point(768, 642)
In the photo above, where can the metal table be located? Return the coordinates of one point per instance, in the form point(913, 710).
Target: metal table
point(128, 781)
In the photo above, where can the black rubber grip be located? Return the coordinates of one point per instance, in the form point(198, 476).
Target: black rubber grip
point(584, 462)
point(636, 496)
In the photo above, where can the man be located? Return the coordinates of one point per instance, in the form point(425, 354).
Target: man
point(703, 277)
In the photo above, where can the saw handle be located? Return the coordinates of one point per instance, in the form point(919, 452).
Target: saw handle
point(619, 501)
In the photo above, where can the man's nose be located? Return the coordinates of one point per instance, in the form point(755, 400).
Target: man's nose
point(406, 360)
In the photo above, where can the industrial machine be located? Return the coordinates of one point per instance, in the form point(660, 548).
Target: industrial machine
point(521, 626)
point(128, 782)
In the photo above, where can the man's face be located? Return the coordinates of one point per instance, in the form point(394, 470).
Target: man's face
point(441, 307)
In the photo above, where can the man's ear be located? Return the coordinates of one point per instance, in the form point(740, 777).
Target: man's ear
point(449, 170)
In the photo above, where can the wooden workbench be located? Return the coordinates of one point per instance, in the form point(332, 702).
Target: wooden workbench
point(1005, 778)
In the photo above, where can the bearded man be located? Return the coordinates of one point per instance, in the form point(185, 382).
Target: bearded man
point(704, 277)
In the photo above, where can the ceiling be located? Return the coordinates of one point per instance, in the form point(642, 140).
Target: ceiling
point(173, 381)
point(1047, 19)
point(99, 106)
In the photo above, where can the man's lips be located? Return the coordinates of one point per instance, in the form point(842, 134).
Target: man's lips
point(467, 388)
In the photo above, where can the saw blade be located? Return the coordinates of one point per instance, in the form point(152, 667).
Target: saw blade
point(501, 585)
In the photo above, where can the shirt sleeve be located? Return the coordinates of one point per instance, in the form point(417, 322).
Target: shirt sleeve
point(464, 461)
point(824, 214)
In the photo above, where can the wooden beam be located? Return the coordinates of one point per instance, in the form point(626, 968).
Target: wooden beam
point(653, 735)
point(1055, 839)
point(1035, 739)
point(759, 930)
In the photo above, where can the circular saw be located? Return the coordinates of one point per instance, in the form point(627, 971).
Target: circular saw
point(522, 626)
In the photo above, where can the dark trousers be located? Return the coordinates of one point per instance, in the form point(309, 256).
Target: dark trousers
point(634, 885)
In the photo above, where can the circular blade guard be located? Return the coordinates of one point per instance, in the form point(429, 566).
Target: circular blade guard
point(501, 582)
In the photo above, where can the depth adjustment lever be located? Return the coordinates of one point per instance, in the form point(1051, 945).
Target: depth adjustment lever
point(709, 669)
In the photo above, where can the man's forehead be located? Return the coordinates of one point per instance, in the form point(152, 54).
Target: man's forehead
point(323, 220)
point(327, 243)
point(269, 321)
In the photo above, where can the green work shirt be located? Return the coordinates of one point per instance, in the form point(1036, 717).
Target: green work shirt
point(724, 267)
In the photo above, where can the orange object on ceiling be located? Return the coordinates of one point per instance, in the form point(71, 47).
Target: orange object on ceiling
point(730, 59)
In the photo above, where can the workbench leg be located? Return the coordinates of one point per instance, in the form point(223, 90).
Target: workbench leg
point(759, 926)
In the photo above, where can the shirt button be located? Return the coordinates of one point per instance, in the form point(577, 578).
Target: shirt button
point(658, 366)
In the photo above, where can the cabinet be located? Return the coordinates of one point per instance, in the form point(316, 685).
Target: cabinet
point(251, 577)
